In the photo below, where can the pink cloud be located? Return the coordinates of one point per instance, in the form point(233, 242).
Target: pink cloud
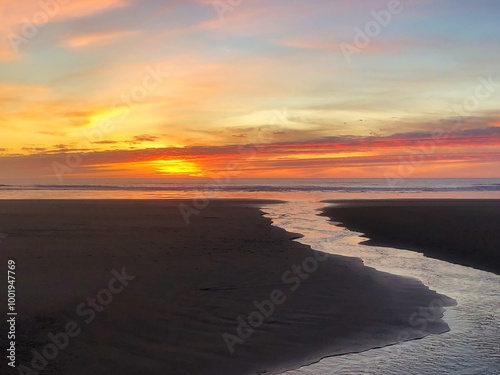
point(25, 19)
point(85, 40)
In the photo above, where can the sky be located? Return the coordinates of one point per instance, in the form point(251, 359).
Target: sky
point(103, 89)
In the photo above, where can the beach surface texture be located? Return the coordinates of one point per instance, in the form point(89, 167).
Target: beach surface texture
point(465, 231)
point(128, 287)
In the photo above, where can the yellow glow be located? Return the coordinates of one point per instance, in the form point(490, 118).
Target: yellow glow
point(107, 117)
point(178, 167)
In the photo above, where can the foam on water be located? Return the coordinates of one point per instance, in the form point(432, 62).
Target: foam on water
point(472, 345)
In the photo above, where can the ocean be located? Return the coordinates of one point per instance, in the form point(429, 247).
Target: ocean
point(226, 187)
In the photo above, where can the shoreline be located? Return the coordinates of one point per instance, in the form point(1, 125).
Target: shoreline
point(460, 231)
point(192, 284)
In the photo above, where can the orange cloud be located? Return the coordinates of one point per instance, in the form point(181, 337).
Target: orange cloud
point(95, 38)
point(17, 17)
point(342, 157)
point(77, 9)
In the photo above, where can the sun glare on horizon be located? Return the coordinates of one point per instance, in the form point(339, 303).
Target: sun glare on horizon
point(178, 167)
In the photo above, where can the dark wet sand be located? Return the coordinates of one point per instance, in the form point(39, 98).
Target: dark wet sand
point(465, 232)
point(191, 284)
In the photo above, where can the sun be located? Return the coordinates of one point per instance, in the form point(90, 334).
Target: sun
point(178, 167)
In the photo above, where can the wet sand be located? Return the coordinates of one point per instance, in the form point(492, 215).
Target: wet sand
point(465, 232)
point(187, 288)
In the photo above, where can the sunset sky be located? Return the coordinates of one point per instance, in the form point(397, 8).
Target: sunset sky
point(144, 89)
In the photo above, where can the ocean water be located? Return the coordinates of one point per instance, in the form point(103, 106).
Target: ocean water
point(471, 347)
point(255, 188)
